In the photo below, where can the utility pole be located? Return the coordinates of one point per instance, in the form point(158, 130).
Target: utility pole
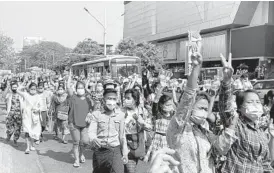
point(104, 27)
point(25, 64)
point(105, 33)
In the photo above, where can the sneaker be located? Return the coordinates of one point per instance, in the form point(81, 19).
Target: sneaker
point(37, 142)
point(32, 149)
point(64, 141)
point(82, 159)
point(27, 151)
point(76, 164)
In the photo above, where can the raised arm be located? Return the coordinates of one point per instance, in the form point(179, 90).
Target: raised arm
point(69, 88)
point(7, 89)
point(184, 109)
point(224, 141)
point(188, 98)
point(175, 100)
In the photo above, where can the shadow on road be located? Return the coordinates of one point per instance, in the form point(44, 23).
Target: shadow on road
point(58, 156)
point(48, 136)
point(66, 157)
point(21, 145)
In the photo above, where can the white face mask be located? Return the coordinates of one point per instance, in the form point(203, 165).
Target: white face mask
point(152, 97)
point(253, 112)
point(198, 116)
point(99, 88)
point(168, 109)
point(110, 104)
point(128, 103)
point(33, 92)
point(81, 92)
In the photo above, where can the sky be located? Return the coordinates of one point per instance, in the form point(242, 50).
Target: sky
point(64, 22)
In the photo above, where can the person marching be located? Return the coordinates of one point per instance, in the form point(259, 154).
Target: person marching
point(14, 112)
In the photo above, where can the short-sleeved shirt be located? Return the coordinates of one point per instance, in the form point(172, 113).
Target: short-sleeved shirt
point(81, 110)
point(106, 127)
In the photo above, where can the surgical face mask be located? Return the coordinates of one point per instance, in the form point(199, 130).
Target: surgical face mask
point(40, 90)
point(80, 92)
point(152, 97)
point(253, 112)
point(128, 103)
point(168, 109)
point(99, 88)
point(110, 104)
point(198, 116)
point(32, 92)
point(60, 92)
point(139, 81)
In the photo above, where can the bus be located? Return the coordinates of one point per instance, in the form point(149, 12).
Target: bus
point(115, 65)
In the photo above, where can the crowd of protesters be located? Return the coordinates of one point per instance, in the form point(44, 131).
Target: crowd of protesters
point(169, 124)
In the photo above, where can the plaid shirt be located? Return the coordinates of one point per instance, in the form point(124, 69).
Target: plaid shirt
point(249, 153)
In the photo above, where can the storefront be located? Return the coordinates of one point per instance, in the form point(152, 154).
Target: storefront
point(174, 52)
point(253, 46)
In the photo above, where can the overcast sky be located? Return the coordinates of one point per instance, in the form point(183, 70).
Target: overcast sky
point(63, 22)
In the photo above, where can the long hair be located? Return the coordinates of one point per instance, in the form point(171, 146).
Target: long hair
point(135, 95)
point(163, 99)
point(270, 93)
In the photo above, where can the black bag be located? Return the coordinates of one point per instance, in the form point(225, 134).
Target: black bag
point(136, 143)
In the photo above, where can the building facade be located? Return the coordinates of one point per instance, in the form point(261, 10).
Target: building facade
point(244, 28)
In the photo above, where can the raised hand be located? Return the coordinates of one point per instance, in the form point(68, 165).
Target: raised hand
point(162, 161)
point(227, 67)
point(70, 72)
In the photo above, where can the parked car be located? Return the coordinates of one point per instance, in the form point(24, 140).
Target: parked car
point(263, 86)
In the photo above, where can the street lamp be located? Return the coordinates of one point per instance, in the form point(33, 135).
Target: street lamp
point(103, 25)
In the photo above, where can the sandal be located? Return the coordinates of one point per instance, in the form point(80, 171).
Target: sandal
point(76, 164)
point(83, 159)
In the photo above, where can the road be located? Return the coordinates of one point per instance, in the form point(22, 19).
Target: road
point(50, 156)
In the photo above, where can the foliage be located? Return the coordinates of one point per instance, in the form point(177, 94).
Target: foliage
point(8, 57)
point(46, 53)
point(88, 46)
point(83, 52)
point(148, 52)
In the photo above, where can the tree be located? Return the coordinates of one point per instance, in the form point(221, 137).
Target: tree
point(148, 52)
point(8, 57)
point(88, 46)
point(47, 54)
point(83, 52)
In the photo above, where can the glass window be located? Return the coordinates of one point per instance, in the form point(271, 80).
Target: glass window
point(269, 85)
point(124, 69)
point(258, 85)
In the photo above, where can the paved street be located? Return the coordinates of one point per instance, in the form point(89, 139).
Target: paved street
point(51, 157)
